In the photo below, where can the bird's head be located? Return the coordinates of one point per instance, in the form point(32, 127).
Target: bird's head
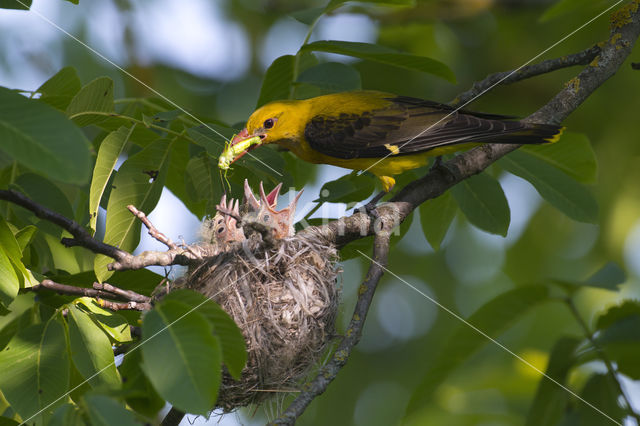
point(280, 122)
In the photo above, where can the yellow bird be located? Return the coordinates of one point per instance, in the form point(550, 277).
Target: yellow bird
point(382, 133)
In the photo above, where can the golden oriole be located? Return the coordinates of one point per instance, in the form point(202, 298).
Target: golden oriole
point(383, 133)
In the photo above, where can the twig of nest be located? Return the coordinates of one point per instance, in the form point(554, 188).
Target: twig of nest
point(279, 288)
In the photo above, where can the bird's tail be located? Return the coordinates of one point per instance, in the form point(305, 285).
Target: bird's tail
point(530, 133)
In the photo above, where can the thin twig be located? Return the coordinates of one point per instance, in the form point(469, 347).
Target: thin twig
point(544, 67)
point(153, 231)
point(126, 299)
point(72, 290)
point(125, 306)
point(128, 295)
point(602, 355)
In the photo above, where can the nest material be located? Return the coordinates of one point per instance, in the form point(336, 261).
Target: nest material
point(284, 298)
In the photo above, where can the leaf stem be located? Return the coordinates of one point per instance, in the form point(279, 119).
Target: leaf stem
point(605, 359)
point(296, 61)
point(314, 209)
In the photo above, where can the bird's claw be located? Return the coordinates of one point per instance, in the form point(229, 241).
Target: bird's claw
point(437, 162)
point(370, 208)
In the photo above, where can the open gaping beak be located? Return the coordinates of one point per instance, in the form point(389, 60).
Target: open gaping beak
point(241, 143)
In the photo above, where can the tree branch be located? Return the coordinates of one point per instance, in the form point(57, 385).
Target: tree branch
point(80, 234)
point(528, 71)
point(69, 289)
point(100, 291)
point(127, 295)
point(178, 256)
point(123, 260)
point(124, 306)
point(153, 231)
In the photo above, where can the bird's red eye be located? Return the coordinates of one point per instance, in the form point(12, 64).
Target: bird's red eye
point(268, 123)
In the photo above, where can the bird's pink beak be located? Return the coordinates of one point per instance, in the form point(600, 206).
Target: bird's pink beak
point(244, 134)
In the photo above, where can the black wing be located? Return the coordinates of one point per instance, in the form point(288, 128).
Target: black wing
point(411, 125)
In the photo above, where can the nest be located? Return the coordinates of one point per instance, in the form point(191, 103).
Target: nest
point(284, 298)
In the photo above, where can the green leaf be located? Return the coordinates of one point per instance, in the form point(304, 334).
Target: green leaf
point(42, 138)
point(335, 3)
point(116, 326)
point(563, 7)
point(134, 184)
point(138, 391)
point(13, 4)
point(61, 88)
point(212, 142)
point(234, 351)
point(92, 103)
point(18, 323)
point(35, 370)
point(91, 350)
point(176, 336)
point(308, 16)
point(353, 250)
point(572, 154)
point(376, 53)
point(483, 202)
point(47, 194)
point(11, 248)
point(331, 77)
point(628, 308)
point(436, 216)
point(265, 164)
point(603, 393)
point(9, 280)
point(9, 244)
point(350, 187)
point(549, 404)
point(609, 277)
point(621, 342)
point(104, 411)
point(491, 318)
point(25, 236)
point(203, 184)
point(560, 190)
point(108, 154)
point(67, 415)
point(277, 80)
point(178, 160)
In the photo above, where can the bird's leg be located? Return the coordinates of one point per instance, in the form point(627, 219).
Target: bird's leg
point(370, 208)
point(437, 162)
